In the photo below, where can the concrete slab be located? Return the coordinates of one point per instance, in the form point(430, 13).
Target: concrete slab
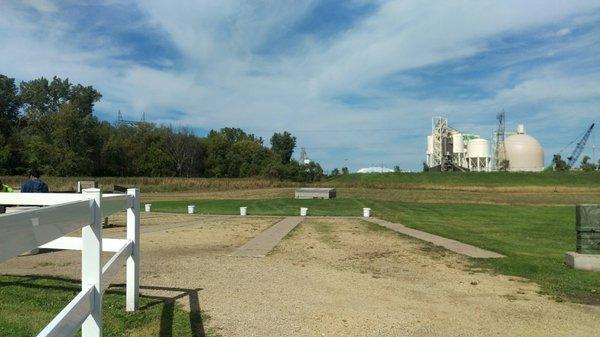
point(589, 262)
point(264, 243)
point(452, 245)
point(315, 193)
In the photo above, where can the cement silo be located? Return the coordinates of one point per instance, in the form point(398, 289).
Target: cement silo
point(429, 149)
point(478, 155)
point(523, 152)
point(449, 149)
point(458, 148)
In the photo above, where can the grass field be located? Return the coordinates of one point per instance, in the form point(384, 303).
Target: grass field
point(479, 179)
point(428, 180)
point(39, 299)
point(534, 238)
point(154, 184)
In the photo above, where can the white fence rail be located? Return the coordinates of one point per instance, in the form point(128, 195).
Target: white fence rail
point(45, 228)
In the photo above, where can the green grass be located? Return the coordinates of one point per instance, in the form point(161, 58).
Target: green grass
point(340, 207)
point(533, 238)
point(29, 303)
point(378, 180)
point(491, 179)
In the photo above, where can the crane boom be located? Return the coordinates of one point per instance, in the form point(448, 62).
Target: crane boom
point(579, 148)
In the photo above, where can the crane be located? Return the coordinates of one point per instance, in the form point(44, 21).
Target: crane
point(572, 159)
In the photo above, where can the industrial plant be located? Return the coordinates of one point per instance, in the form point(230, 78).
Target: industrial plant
point(449, 149)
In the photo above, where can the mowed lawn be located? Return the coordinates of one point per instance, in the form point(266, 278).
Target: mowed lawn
point(533, 238)
point(29, 303)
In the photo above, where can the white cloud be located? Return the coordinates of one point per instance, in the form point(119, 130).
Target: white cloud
point(223, 81)
point(563, 32)
point(41, 5)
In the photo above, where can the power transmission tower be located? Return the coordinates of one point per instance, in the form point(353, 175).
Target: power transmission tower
point(499, 148)
point(123, 121)
point(120, 119)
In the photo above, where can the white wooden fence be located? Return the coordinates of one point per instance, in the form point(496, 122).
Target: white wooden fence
point(63, 213)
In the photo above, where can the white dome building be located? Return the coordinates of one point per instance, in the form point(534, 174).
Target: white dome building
point(523, 152)
point(375, 169)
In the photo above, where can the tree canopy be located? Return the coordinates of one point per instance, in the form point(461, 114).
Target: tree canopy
point(283, 144)
point(50, 125)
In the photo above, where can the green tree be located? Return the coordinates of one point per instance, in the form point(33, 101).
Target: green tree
point(587, 165)
point(504, 165)
point(308, 172)
point(10, 145)
point(231, 152)
point(559, 164)
point(397, 168)
point(60, 131)
point(335, 172)
point(345, 171)
point(283, 144)
point(186, 151)
point(115, 156)
point(10, 103)
point(50, 124)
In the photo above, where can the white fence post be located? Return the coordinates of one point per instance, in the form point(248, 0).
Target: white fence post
point(91, 263)
point(133, 262)
point(66, 212)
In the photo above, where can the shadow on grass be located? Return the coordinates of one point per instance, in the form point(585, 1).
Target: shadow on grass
point(167, 302)
point(166, 319)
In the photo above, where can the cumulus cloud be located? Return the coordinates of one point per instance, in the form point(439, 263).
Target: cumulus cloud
point(374, 81)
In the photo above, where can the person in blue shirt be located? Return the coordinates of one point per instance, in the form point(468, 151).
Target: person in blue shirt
point(34, 184)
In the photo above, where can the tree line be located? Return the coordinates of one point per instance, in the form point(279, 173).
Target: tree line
point(559, 164)
point(50, 125)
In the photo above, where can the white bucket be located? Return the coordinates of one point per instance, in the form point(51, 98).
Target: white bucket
point(243, 211)
point(366, 212)
point(303, 211)
point(147, 207)
point(191, 209)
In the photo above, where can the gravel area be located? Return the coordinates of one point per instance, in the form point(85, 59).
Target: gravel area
point(330, 277)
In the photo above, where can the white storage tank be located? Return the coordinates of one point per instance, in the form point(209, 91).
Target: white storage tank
point(478, 155)
point(478, 148)
point(523, 152)
point(429, 144)
point(458, 146)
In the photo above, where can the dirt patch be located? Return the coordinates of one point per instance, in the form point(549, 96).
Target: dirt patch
point(332, 277)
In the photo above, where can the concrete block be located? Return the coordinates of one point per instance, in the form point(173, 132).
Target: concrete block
point(315, 193)
point(587, 217)
point(83, 184)
point(589, 262)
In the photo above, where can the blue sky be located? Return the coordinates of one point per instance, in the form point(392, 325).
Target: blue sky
point(356, 81)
